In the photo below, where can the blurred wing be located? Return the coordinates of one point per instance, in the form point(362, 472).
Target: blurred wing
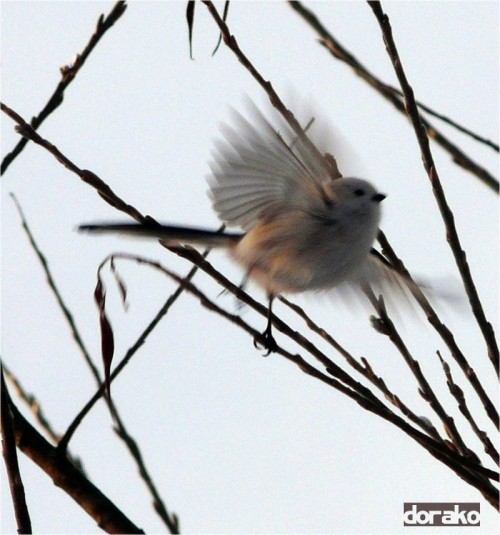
point(384, 280)
point(399, 292)
point(256, 169)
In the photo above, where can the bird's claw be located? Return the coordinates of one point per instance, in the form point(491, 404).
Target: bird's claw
point(266, 342)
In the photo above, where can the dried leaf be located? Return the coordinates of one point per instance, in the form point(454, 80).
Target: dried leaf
point(121, 284)
point(224, 18)
point(107, 338)
point(190, 21)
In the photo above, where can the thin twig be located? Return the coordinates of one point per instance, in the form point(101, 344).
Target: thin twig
point(32, 403)
point(68, 73)
point(384, 325)
point(224, 18)
point(55, 290)
point(366, 370)
point(466, 467)
point(86, 176)
point(428, 162)
point(458, 394)
point(339, 52)
point(443, 331)
point(170, 520)
point(232, 44)
point(141, 340)
point(467, 131)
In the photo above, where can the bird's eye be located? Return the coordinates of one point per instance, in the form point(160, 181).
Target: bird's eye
point(359, 192)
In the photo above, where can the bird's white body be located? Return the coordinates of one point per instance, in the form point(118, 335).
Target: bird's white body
point(304, 226)
point(307, 228)
point(295, 251)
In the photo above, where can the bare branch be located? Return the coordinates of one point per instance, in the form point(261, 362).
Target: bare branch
point(68, 73)
point(452, 123)
point(55, 290)
point(466, 466)
point(11, 464)
point(443, 331)
point(339, 52)
point(458, 394)
point(366, 371)
point(446, 213)
point(87, 176)
point(224, 18)
point(232, 44)
point(66, 476)
point(384, 325)
point(170, 521)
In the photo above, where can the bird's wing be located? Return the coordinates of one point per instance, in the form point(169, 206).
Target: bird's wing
point(256, 169)
point(383, 279)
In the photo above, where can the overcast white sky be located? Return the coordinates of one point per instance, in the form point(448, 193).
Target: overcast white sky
point(236, 443)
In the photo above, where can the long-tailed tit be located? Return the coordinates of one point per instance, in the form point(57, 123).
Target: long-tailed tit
point(304, 227)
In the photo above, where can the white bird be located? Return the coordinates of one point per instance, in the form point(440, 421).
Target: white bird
point(304, 227)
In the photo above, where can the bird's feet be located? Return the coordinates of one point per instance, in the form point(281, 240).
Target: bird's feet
point(267, 341)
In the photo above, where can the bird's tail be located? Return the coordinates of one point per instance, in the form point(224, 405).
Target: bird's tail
point(173, 235)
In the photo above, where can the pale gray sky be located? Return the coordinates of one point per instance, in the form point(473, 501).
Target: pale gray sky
point(236, 443)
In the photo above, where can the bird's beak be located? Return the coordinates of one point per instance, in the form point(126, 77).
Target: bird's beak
point(378, 197)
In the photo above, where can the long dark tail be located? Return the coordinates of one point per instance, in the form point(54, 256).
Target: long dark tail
point(169, 233)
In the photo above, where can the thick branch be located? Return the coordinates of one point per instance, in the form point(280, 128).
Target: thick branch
point(11, 464)
point(66, 476)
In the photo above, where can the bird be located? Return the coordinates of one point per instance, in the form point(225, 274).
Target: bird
point(302, 225)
